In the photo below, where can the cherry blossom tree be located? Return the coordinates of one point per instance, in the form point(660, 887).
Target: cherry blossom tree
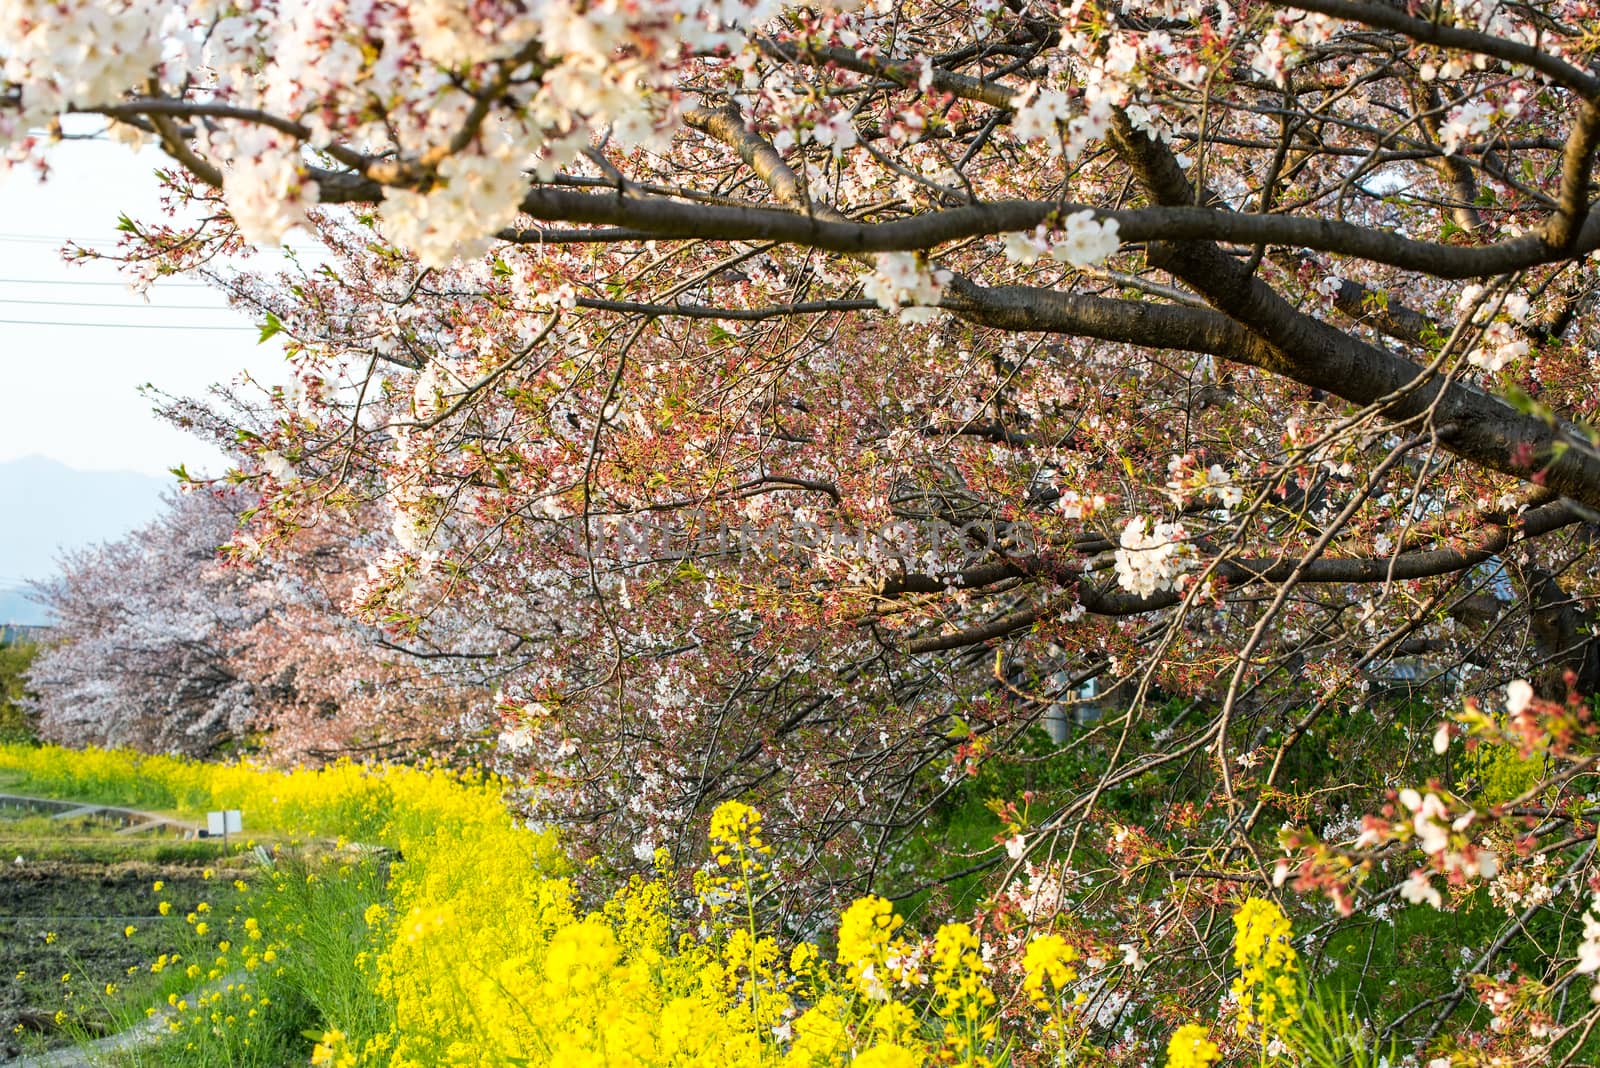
point(162, 646)
point(804, 402)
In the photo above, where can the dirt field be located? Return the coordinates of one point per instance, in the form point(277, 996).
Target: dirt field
point(63, 911)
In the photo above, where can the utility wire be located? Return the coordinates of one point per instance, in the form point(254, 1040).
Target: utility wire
point(106, 243)
point(114, 304)
point(92, 282)
point(127, 326)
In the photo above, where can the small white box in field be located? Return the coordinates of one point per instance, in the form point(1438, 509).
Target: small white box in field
point(228, 821)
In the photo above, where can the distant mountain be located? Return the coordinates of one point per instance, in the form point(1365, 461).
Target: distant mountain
point(49, 507)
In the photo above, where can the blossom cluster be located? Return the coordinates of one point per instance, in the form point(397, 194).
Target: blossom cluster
point(1503, 339)
point(1085, 240)
point(1153, 556)
point(268, 190)
point(1187, 481)
point(1589, 948)
point(1191, 1047)
point(1427, 820)
point(1291, 35)
point(557, 72)
point(1472, 118)
point(62, 55)
point(1528, 886)
point(902, 282)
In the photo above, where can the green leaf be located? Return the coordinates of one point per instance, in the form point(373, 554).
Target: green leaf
point(272, 326)
point(1519, 399)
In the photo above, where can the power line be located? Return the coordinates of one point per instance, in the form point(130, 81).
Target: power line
point(113, 304)
point(126, 326)
point(106, 242)
point(39, 239)
point(91, 282)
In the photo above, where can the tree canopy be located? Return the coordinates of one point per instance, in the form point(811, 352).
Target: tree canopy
point(16, 724)
point(803, 402)
point(159, 645)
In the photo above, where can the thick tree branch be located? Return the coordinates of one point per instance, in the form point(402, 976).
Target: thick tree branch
point(1484, 430)
point(1447, 35)
point(1577, 162)
point(674, 219)
point(902, 74)
point(1110, 600)
point(677, 219)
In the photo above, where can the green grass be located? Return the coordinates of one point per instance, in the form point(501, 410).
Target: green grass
point(39, 837)
point(32, 825)
point(142, 795)
point(1356, 964)
point(298, 950)
point(30, 788)
point(103, 851)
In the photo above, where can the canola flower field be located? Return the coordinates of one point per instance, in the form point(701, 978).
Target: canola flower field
point(464, 943)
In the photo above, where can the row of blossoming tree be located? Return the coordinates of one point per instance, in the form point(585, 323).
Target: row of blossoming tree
point(801, 403)
point(160, 645)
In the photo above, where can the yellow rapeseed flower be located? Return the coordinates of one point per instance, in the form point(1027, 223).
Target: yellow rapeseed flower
point(1048, 959)
point(1191, 1047)
point(326, 1050)
point(1268, 986)
point(958, 971)
point(867, 942)
point(890, 1055)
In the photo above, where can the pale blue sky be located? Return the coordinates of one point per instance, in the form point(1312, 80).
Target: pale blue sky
point(70, 389)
